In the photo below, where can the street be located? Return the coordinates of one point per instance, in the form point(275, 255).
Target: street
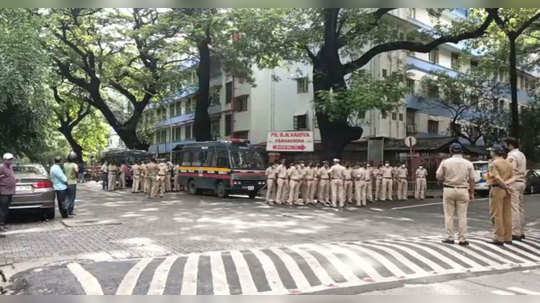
point(123, 243)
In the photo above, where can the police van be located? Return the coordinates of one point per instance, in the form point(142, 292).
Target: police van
point(226, 167)
point(481, 170)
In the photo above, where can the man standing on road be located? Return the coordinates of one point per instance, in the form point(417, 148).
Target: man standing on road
point(281, 181)
point(71, 170)
point(403, 185)
point(359, 176)
point(59, 181)
point(323, 196)
point(295, 176)
point(105, 176)
point(457, 175)
point(370, 178)
point(420, 191)
point(122, 176)
point(271, 175)
point(337, 176)
point(377, 174)
point(302, 187)
point(387, 177)
point(168, 184)
point(309, 176)
point(148, 181)
point(348, 183)
point(517, 184)
point(135, 173)
point(176, 174)
point(7, 190)
point(113, 170)
point(500, 206)
point(162, 170)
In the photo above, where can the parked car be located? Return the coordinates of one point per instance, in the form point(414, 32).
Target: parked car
point(481, 169)
point(533, 181)
point(34, 191)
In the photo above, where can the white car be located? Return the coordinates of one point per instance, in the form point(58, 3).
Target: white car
point(481, 169)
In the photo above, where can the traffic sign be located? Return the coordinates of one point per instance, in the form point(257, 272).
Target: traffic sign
point(410, 141)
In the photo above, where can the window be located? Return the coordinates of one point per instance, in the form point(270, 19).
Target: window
point(315, 122)
point(412, 13)
point(300, 122)
point(394, 116)
point(384, 73)
point(434, 56)
point(214, 96)
point(242, 134)
point(196, 161)
point(384, 114)
point(228, 92)
point(163, 136)
point(205, 156)
point(433, 91)
point(410, 84)
point(501, 105)
point(222, 158)
point(214, 128)
point(187, 133)
point(171, 110)
point(228, 125)
point(302, 85)
point(400, 116)
point(178, 133)
point(178, 108)
point(241, 103)
point(188, 106)
point(433, 127)
point(187, 158)
point(454, 61)
point(401, 36)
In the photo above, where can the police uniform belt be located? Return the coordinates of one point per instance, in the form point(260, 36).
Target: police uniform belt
point(455, 187)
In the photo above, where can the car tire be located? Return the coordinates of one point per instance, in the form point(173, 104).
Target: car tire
point(532, 189)
point(192, 188)
point(221, 191)
point(49, 214)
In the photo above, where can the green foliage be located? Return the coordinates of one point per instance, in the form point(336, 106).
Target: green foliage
point(530, 134)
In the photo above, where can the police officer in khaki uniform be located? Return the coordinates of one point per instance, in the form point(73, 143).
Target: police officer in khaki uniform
point(348, 183)
point(135, 172)
point(359, 175)
point(113, 170)
point(160, 185)
point(336, 173)
point(302, 187)
point(387, 178)
point(310, 183)
point(517, 184)
point(176, 174)
point(420, 191)
point(395, 182)
point(370, 179)
point(295, 176)
point(316, 179)
point(148, 177)
point(500, 206)
point(168, 186)
point(457, 175)
point(403, 184)
point(377, 174)
point(151, 178)
point(281, 181)
point(271, 176)
point(323, 195)
point(142, 177)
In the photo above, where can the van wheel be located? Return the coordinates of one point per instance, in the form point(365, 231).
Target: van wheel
point(49, 214)
point(252, 196)
point(192, 188)
point(221, 192)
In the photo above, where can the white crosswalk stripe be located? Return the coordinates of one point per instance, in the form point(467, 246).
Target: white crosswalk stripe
point(314, 267)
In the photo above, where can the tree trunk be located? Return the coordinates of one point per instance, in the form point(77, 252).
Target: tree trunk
point(514, 128)
point(75, 146)
point(201, 125)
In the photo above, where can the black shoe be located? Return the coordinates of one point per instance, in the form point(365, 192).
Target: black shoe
point(2, 236)
point(517, 238)
point(522, 236)
point(464, 243)
point(508, 242)
point(498, 243)
point(448, 241)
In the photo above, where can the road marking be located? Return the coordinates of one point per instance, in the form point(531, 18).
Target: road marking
point(359, 262)
point(436, 267)
point(443, 258)
point(244, 275)
point(376, 209)
point(523, 291)
point(189, 282)
point(130, 279)
point(296, 273)
point(502, 293)
point(88, 282)
point(401, 258)
point(413, 206)
point(219, 277)
point(317, 268)
point(157, 286)
point(342, 268)
point(396, 271)
point(271, 273)
point(501, 251)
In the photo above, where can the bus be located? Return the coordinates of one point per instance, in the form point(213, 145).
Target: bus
point(225, 167)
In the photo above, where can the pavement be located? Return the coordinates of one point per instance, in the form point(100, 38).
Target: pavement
point(123, 243)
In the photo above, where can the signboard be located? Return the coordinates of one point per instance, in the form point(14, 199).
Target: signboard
point(290, 141)
point(410, 141)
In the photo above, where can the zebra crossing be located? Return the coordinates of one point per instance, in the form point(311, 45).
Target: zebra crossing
point(304, 268)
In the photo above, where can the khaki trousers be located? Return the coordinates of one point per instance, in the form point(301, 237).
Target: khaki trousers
point(112, 181)
point(135, 185)
point(378, 189)
point(122, 181)
point(302, 188)
point(456, 202)
point(158, 187)
point(149, 184)
point(420, 191)
point(518, 208)
point(310, 191)
point(270, 190)
point(315, 191)
point(395, 185)
point(280, 193)
point(337, 193)
point(500, 211)
point(323, 194)
point(141, 183)
point(386, 189)
point(348, 190)
point(167, 179)
point(360, 192)
point(402, 189)
point(294, 191)
point(369, 190)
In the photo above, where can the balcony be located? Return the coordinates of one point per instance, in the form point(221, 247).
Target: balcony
point(428, 67)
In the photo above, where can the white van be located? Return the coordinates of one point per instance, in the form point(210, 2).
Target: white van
point(481, 169)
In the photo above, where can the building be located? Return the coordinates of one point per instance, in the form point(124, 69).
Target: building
point(281, 98)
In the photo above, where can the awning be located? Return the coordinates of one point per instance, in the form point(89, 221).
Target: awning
point(300, 113)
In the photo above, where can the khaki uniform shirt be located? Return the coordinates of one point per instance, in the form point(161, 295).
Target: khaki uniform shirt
point(387, 172)
point(402, 172)
point(152, 170)
point(282, 171)
point(456, 171)
point(162, 168)
point(347, 174)
point(144, 170)
point(271, 172)
point(323, 173)
point(295, 173)
point(369, 173)
point(336, 171)
point(309, 173)
point(113, 169)
point(359, 174)
point(377, 173)
point(519, 163)
point(499, 168)
point(135, 170)
point(421, 173)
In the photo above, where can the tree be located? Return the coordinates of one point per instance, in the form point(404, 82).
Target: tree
point(24, 105)
point(471, 99)
point(530, 142)
point(516, 24)
point(115, 56)
point(338, 42)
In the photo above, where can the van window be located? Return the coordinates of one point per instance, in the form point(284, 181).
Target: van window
point(203, 157)
point(222, 158)
point(186, 158)
point(196, 161)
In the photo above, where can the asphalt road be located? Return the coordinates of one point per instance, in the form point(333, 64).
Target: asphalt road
point(125, 243)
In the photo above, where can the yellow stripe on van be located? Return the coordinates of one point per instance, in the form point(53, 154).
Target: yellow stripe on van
point(214, 169)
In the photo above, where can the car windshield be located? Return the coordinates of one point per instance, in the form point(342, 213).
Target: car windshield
point(481, 166)
point(246, 158)
point(29, 170)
